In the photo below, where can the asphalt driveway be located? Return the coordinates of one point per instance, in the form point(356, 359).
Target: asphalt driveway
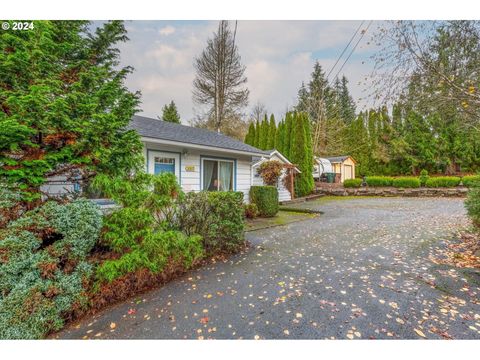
point(362, 270)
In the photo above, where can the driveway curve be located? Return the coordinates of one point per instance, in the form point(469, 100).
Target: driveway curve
point(362, 270)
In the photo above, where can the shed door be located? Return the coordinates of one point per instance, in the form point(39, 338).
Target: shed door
point(348, 172)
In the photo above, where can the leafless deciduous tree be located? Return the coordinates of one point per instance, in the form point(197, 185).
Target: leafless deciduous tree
point(441, 57)
point(220, 80)
point(258, 111)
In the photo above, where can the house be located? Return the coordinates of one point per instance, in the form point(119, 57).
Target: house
point(201, 159)
point(285, 193)
point(343, 165)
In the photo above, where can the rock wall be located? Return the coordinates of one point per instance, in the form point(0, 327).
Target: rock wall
point(459, 191)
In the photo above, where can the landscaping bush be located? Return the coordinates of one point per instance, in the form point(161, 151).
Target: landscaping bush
point(471, 180)
point(142, 232)
point(270, 171)
point(218, 217)
point(406, 182)
point(44, 270)
point(352, 183)
point(423, 177)
point(251, 211)
point(443, 181)
point(472, 203)
point(266, 199)
point(378, 181)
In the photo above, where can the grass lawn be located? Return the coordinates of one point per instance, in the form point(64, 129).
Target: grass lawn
point(282, 218)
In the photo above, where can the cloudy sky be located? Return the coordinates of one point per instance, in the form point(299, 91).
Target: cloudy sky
point(278, 55)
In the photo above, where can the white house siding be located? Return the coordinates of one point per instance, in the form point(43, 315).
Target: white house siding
point(283, 193)
point(190, 176)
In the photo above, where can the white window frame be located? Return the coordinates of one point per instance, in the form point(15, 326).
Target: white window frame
point(234, 182)
point(164, 154)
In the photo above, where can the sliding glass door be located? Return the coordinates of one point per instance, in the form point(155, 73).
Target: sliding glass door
point(217, 175)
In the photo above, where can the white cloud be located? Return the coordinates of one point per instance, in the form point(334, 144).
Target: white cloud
point(167, 30)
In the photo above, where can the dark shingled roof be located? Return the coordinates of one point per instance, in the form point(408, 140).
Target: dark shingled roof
point(159, 129)
point(337, 159)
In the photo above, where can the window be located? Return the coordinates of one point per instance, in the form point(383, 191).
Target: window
point(217, 175)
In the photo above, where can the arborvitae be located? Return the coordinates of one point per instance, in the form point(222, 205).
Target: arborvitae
point(256, 142)
point(287, 135)
point(272, 132)
point(279, 137)
point(250, 137)
point(301, 156)
point(264, 134)
point(291, 135)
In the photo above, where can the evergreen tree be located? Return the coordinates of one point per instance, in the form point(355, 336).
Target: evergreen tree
point(250, 137)
point(301, 155)
point(170, 113)
point(257, 134)
point(272, 133)
point(287, 135)
point(65, 107)
point(280, 136)
point(264, 134)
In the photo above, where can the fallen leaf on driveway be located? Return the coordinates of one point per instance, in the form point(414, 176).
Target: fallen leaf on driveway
point(419, 332)
point(113, 325)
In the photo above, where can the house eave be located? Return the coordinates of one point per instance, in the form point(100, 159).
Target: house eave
point(198, 146)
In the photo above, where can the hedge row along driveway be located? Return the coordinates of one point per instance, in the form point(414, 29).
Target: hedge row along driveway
point(360, 271)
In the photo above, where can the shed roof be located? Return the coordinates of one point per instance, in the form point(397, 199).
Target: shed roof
point(339, 159)
point(159, 129)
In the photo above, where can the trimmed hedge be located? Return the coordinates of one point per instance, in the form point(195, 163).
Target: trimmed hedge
point(266, 199)
point(379, 181)
point(406, 182)
point(443, 181)
point(352, 183)
point(471, 180)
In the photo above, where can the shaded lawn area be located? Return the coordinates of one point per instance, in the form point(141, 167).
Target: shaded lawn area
point(282, 218)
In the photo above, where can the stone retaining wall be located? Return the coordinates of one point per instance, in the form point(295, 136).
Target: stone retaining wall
point(459, 191)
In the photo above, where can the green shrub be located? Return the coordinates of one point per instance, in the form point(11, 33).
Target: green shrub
point(251, 211)
point(143, 230)
point(155, 252)
point(406, 182)
point(352, 183)
point(443, 181)
point(266, 199)
point(472, 203)
point(423, 177)
point(379, 181)
point(44, 267)
point(216, 216)
point(471, 180)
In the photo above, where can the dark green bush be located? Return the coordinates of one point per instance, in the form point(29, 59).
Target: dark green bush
point(266, 199)
point(44, 267)
point(352, 183)
point(443, 181)
point(471, 180)
point(406, 182)
point(423, 177)
point(472, 203)
point(379, 181)
point(216, 216)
